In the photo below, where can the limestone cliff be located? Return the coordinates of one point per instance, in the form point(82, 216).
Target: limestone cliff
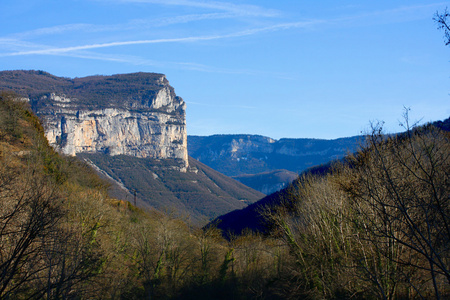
point(132, 114)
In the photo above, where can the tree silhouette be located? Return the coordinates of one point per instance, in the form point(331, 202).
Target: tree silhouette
point(442, 21)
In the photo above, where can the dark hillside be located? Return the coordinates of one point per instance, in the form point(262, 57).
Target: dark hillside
point(444, 125)
point(200, 190)
point(251, 217)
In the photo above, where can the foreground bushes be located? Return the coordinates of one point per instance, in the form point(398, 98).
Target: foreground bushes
point(377, 226)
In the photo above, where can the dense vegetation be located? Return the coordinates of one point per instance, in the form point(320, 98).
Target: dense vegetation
point(200, 194)
point(376, 227)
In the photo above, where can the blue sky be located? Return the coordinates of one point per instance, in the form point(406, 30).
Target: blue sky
point(287, 68)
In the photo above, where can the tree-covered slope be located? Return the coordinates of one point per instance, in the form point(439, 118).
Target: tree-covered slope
point(252, 216)
point(199, 194)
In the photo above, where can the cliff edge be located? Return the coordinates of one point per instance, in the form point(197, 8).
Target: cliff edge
point(132, 114)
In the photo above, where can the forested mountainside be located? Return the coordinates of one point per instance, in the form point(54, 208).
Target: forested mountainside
point(199, 194)
point(269, 165)
point(63, 237)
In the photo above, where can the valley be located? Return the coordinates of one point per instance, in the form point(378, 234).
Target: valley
point(105, 196)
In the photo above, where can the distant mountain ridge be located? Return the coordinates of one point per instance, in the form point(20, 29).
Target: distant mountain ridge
point(245, 156)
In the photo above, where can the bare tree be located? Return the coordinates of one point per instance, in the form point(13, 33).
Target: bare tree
point(442, 21)
point(29, 213)
point(400, 191)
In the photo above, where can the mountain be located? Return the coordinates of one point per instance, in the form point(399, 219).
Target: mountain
point(132, 114)
point(263, 163)
point(62, 237)
point(251, 217)
point(132, 129)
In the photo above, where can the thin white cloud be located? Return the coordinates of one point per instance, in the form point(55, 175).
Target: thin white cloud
point(12, 45)
point(131, 25)
point(232, 11)
point(59, 29)
point(136, 24)
point(140, 61)
point(53, 51)
point(240, 9)
point(184, 19)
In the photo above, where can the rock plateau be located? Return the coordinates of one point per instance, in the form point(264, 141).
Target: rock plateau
point(132, 114)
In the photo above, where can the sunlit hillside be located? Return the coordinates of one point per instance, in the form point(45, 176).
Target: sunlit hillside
point(374, 227)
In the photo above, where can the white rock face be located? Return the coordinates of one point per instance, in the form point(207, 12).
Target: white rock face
point(239, 147)
point(153, 129)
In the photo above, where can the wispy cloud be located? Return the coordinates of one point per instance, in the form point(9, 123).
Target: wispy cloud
point(240, 9)
point(59, 29)
point(184, 19)
point(58, 50)
point(391, 14)
point(230, 10)
point(191, 66)
point(126, 26)
point(11, 46)
point(135, 24)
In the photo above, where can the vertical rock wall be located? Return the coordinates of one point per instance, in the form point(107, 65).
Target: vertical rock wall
point(146, 124)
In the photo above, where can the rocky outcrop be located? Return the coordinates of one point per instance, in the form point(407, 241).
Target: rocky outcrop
point(132, 114)
point(151, 132)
